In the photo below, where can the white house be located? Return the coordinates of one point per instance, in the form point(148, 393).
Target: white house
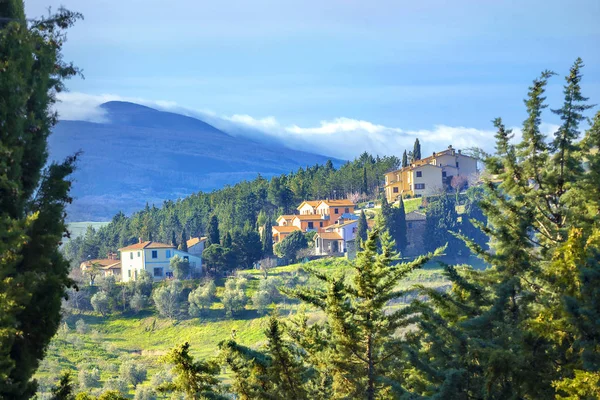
point(196, 245)
point(335, 238)
point(154, 258)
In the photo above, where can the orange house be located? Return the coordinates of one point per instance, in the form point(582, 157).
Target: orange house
point(280, 232)
point(335, 208)
point(311, 222)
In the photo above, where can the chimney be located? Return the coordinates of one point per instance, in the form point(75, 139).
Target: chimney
point(434, 153)
point(450, 146)
point(460, 152)
point(140, 239)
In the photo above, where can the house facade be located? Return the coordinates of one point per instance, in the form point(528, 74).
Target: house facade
point(415, 234)
point(429, 175)
point(335, 239)
point(109, 266)
point(154, 258)
point(196, 245)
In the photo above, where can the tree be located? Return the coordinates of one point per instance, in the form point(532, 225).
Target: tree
point(194, 379)
point(64, 389)
point(167, 299)
point(180, 267)
point(458, 183)
point(227, 241)
point(416, 150)
point(442, 222)
point(399, 231)
point(92, 271)
point(132, 372)
point(267, 239)
point(363, 227)
point(289, 246)
point(201, 298)
point(34, 192)
point(174, 240)
point(101, 303)
point(234, 297)
point(138, 302)
point(247, 247)
point(365, 184)
point(89, 378)
point(183, 246)
point(266, 294)
point(404, 159)
point(213, 235)
point(217, 258)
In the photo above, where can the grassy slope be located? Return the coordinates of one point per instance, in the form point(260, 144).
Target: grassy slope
point(146, 336)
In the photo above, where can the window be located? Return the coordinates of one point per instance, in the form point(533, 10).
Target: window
point(457, 164)
point(419, 174)
point(169, 274)
point(335, 211)
point(186, 258)
point(129, 273)
point(396, 189)
point(310, 225)
point(346, 210)
point(168, 253)
point(139, 254)
point(158, 272)
point(419, 186)
point(154, 253)
point(131, 256)
point(321, 224)
point(443, 174)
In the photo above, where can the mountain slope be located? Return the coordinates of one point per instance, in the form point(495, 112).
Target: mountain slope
point(144, 155)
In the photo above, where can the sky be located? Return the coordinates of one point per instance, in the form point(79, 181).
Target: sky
point(335, 77)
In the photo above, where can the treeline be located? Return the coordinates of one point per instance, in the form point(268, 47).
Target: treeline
point(238, 209)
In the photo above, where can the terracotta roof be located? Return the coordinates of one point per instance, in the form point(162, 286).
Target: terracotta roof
point(415, 216)
point(338, 203)
point(329, 235)
point(285, 229)
point(312, 203)
point(309, 217)
point(347, 223)
point(286, 217)
point(147, 245)
point(105, 263)
point(195, 241)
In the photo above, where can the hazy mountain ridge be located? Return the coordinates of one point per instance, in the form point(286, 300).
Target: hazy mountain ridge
point(144, 155)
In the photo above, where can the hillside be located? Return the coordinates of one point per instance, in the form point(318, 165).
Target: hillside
point(144, 155)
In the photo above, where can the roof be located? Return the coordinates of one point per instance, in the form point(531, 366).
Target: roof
point(147, 245)
point(329, 235)
point(286, 217)
point(338, 203)
point(415, 216)
point(105, 263)
point(285, 229)
point(194, 241)
point(312, 203)
point(346, 223)
point(309, 217)
point(426, 160)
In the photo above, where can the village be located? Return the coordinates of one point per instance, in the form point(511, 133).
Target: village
point(330, 225)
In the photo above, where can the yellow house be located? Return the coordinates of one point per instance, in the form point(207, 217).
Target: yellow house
point(308, 207)
point(429, 175)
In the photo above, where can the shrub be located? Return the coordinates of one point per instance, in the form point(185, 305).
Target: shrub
point(201, 298)
point(100, 303)
point(89, 378)
point(144, 392)
point(81, 327)
point(167, 299)
point(132, 372)
point(180, 267)
point(138, 302)
point(234, 298)
point(261, 301)
point(116, 385)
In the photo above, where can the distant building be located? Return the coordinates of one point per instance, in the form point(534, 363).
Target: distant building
point(154, 258)
point(108, 266)
point(429, 175)
point(196, 245)
point(415, 233)
point(335, 238)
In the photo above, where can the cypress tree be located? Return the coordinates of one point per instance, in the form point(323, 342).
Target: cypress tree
point(213, 235)
point(417, 150)
point(404, 159)
point(33, 195)
point(362, 228)
point(267, 239)
point(400, 227)
point(227, 241)
point(173, 239)
point(365, 185)
point(183, 246)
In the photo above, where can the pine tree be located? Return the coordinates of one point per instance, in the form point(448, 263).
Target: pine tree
point(362, 228)
point(404, 159)
point(417, 150)
point(365, 185)
point(213, 235)
point(33, 194)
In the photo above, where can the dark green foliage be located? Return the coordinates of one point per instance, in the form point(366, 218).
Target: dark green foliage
point(442, 222)
point(267, 239)
point(183, 245)
point(365, 182)
point(212, 231)
point(33, 194)
point(404, 159)
point(180, 267)
point(399, 231)
point(193, 379)
point(289, 247)
point(218, 259)
point(174, 239)
point(362, 227)
point(416, 154)
point(64, 388)
point(247, 247)
point(227, 241)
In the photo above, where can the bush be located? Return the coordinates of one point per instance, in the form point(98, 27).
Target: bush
point(201, 298)
point(181, 268)
point(138, 302)
point(167, 299)
point(144, 393)
point(89, 378)
point(116, 385)
point(132, 372)
point(261, 301)
point(100, 303)
point(81, 327)
point(234, 298)
point(162, 376)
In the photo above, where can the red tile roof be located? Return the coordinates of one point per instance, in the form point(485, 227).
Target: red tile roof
point(147, 245)
point(329, 235)
point(338, 203)
point(285, 229)
point(309, 217)
point(104, 263)
point(195, 241)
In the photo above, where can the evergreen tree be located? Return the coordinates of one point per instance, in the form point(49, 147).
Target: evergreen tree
point(193, 379)
point(289, 247)
point(416, 150)
point(399, 232)
point(213, 235)
point(365, 185)
point(267, 239)
point(174, 240)
point(183, 246)
point(227, 241)
point(64, 389)
point(404, 159)
point(33, 193)
point(362, 228)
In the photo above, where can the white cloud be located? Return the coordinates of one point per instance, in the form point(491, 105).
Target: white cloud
point(340, 137)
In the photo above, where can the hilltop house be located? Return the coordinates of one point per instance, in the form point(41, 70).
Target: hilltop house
point(335, 238)
point(110, 265)
point(314, 215)
point(196, 245)
point(429, 175)
point(154, 258)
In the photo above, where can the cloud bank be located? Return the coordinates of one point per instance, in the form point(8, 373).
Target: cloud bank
point(343, 138)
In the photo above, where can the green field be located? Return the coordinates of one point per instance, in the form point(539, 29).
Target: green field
point(108, 341)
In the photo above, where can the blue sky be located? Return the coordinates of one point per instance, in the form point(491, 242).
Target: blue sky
point(315, 68)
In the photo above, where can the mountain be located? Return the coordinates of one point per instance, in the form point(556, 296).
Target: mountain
point(144, 155)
